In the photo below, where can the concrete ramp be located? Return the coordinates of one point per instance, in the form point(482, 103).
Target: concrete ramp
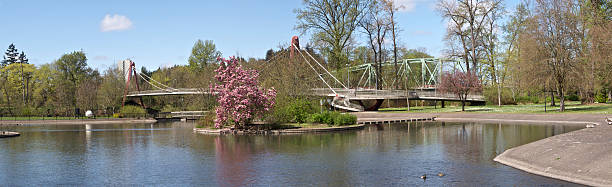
point(345, 104)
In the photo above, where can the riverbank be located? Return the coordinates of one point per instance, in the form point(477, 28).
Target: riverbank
point(514, 118)
point(570, 107)
point(582, 156)
point(76, 121)
point(290, 129)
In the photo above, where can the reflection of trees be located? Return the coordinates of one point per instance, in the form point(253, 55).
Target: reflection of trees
point(238, 158)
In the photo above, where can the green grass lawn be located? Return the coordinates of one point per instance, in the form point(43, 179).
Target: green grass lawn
point(570, 107)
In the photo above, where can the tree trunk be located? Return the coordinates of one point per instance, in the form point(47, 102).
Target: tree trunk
point(8, 100)
point(498, 94)
point(552, 99)
point(463, 105)
point(609, 95)
point(562, 103)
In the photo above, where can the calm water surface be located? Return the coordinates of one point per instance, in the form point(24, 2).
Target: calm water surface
point(171, 154)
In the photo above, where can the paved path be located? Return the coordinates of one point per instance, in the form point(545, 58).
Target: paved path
point(582, 156)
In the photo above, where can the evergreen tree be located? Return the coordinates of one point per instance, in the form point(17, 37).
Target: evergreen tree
point(22, 58)
point(10, 56)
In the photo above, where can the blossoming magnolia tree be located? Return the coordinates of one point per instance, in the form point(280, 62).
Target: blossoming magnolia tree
point(461, 84)
point(240, 99)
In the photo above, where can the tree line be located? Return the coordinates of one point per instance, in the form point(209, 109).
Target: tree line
point(556, 47)
point(540, 47)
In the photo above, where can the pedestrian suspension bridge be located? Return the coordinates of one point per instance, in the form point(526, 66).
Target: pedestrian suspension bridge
point(353, 98)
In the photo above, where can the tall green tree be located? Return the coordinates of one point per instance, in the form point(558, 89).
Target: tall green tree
point(203, 53)
point(45, 79)
point(332, 23)
point(557, 37)
point(111, 89)
point(72, 69)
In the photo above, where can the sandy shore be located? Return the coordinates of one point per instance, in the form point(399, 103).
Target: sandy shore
point(76, 121)
point(582, 156)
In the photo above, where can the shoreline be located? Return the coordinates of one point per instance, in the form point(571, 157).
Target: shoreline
point(75, 121)
point(583, 156)
point(279, 131)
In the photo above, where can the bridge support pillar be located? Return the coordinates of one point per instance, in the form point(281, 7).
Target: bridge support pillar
point(442, 103)
point(373, 107)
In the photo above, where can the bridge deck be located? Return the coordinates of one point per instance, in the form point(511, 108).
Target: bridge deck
point(353, 94)
point(179, 91)
point(370, 94)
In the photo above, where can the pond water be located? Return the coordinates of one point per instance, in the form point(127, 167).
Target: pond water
point(171, 154)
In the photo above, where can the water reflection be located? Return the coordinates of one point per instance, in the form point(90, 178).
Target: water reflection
point(170, 153)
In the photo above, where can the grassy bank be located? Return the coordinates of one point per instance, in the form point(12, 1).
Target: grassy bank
point(570, 107)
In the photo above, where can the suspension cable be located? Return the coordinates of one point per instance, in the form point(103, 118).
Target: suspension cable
point(162, 85)
point(153, 84)
point(315, 70)
point(325, 69)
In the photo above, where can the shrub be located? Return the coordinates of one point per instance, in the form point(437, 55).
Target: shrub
point(116, 115)
point(27, 111)
point(345, 119)
point(490, 94)
point(572, 97)
point(169, 108)
point(601, 98)
point(208, 120)
point(528, 99)
point(333, 118)
point(295, 111)
point(132, 111)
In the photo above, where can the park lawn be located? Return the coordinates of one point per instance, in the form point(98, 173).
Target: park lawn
point(570, 107)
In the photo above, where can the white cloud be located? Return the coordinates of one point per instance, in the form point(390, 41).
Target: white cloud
point(115, 23)
point(406, 5)
point(410, 5)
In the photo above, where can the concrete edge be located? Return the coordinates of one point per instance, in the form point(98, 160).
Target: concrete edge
point(547, 172)
point(76, 122)
point(318, 130)
point(287, 131)
point(513, 121)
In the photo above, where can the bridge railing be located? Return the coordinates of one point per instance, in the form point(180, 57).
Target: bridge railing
point(475, 96)
point(415, 94)
point(354, 92)
point(165, 91)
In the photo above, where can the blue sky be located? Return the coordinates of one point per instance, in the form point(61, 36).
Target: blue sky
point(161, 33)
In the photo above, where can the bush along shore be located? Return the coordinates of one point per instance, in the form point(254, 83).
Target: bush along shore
point(326, 121)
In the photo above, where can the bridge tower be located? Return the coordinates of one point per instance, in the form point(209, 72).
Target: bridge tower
point(128, 68)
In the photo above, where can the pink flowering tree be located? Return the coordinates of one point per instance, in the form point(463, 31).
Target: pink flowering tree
point(460, 84)
point(240, 98)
